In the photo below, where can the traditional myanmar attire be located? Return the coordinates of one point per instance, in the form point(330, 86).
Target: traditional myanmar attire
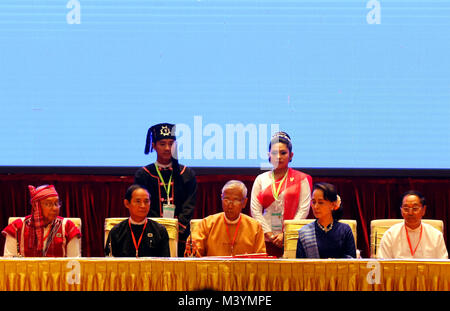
point(183, 194)
point(29, 238)
point(293, 201)
point(335, 241)
point(151, 240)
point(183, 185)
point(424, 242)
point(215, 235)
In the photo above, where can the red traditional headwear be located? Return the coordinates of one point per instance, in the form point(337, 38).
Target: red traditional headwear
point(37, 222)
point(42, 192)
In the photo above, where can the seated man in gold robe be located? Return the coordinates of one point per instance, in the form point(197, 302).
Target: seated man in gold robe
point(229, 233)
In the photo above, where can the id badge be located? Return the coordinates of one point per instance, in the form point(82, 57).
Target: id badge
point(168, 210)
point(277, 222)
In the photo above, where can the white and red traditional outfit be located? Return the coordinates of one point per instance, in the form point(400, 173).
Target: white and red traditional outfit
point(293, 199)
point(29, 238)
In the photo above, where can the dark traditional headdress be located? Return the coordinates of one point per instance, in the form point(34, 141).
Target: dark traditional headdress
point(158, 132)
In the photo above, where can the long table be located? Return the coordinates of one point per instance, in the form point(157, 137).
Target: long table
point(224, 274)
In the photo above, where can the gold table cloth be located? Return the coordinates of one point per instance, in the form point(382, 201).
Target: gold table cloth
point(184, 274)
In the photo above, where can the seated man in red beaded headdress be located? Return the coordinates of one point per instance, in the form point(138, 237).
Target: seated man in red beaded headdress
point(43, 233)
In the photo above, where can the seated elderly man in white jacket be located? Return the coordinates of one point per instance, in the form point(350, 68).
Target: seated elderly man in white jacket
point(413, 238)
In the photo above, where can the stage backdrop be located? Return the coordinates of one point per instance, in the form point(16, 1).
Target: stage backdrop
point(94, 198)
point(357, 84)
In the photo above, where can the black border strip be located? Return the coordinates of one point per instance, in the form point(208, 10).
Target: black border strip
point(318, 172)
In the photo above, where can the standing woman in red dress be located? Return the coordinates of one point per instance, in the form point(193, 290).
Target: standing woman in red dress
point(280, 194)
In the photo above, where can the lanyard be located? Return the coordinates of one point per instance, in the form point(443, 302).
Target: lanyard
point(136, 246)
point(409, 241)
point(167, 188)
point(49, 241)
point(48, 232)
point(235, 233)
point(46, 244)
point(276, 192)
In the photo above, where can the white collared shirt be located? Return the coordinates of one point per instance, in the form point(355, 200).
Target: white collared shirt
point(163, 165)
point(394, 243)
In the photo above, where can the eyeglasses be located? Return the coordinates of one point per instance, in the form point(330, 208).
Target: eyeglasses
point(235, 202)
point(139, 202)
point(51, 204)
point(414, 209)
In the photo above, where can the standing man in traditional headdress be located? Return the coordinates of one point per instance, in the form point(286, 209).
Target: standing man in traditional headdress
point(43, 233)
point(172, 186)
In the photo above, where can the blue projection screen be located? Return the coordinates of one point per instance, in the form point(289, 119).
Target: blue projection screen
point(356, 84)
